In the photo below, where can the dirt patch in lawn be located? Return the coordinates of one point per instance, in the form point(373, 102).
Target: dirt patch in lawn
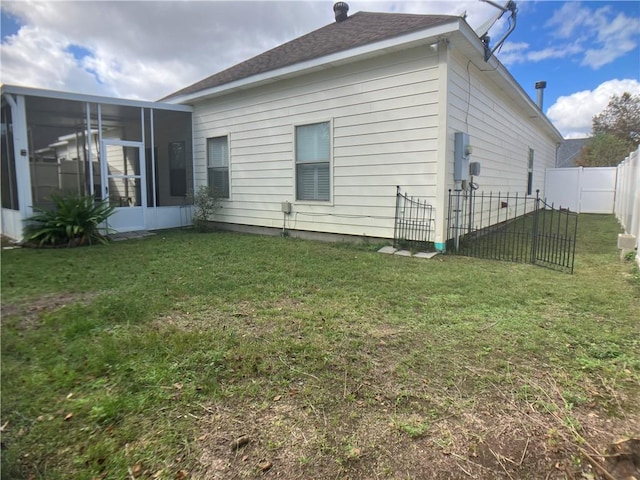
point(246, 317)
point(367, 415)
point(295, 437)
point(28, 313)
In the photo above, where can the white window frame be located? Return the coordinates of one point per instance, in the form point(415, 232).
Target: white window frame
point(530, 164)
point(228, 166)
point(328, 201)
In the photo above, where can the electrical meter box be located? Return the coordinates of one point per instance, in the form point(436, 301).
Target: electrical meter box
point(461, 153)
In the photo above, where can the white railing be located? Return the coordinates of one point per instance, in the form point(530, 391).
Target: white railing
point(627, 204)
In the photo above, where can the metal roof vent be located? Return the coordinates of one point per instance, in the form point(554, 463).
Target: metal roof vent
point(540, 86)
point(341, 9)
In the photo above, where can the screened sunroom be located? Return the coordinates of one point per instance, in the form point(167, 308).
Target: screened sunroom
point(136, 155)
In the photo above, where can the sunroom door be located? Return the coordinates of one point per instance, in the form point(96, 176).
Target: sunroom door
point(124, 184)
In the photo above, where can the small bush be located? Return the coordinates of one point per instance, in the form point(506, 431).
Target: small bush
point(75, 220)
point(206, 201)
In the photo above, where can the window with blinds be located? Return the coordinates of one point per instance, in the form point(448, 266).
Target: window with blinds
point(218, 165)
point(313, 145)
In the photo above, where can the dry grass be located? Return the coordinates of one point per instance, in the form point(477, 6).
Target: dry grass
point(150, 359)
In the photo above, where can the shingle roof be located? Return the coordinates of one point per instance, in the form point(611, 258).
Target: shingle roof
point(359, 29)
point(569, 151)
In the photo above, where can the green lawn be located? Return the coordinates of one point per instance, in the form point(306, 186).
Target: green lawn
point(148, 358)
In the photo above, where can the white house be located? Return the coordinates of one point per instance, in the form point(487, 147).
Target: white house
point(315, 135)
point(312, 137)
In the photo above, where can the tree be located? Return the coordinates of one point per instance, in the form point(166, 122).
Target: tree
point(616, 132)
point(603, 150)
point(621, 118)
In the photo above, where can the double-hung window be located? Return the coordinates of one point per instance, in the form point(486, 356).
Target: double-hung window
point(218, 165)
point(313, 146)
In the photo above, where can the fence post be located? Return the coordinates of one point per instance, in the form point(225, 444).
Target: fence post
point(395, 225)
point(447, 236)
point(534, 234)
point(457, 222)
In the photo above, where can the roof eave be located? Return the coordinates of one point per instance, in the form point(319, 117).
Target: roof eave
point(421, 37)
point(81, 97)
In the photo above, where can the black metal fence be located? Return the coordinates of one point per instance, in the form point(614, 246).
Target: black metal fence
point(414, 223)
point(512, 228)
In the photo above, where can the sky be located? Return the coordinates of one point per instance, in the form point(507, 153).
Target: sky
point(585, 51)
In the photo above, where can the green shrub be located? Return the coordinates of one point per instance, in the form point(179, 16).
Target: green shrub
point(206, 201)
point(75, 220)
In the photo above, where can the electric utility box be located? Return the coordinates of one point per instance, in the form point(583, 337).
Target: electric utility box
point(461, 153)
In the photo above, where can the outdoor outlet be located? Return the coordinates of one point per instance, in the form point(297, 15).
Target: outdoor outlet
point(286, 207)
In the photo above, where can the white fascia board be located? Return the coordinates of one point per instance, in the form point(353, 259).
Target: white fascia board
point(494, 69)
point(44, 150)
point(427, 36)
point(73, 136)
point(79, 97)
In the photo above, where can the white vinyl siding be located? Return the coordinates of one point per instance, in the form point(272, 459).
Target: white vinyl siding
point(313, 160)
point(500, 132)
point(218, 165)
point(383, 133)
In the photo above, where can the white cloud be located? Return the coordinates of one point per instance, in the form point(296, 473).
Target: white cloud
point(573, 114)
point(513, 52)
point(23, 62)
point(616, 38)
point(592, 37)
point(517, 52)
point(569, 20)
point(610, 35)
point(148, 49)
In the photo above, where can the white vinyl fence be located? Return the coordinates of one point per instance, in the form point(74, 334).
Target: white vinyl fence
point(627, 204)
point(582, 190)
point(600, 190)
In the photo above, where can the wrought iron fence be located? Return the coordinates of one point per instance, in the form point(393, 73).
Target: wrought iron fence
point(512, 228)
point(414, 223)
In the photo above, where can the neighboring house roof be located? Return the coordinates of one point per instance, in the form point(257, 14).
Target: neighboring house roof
point(569, 151)
point(357, 30)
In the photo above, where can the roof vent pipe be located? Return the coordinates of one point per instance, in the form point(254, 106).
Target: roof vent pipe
point(540, 86)
point(340, 9)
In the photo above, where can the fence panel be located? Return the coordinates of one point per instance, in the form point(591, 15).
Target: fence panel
point(414, 223)
point(554, 237)
point(627, 205)
point(582, 190)
point(511, 228)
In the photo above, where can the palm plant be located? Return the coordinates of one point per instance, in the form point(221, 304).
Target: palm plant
point(74, 220)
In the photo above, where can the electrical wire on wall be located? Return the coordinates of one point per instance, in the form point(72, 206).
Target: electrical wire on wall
point(466, 121)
